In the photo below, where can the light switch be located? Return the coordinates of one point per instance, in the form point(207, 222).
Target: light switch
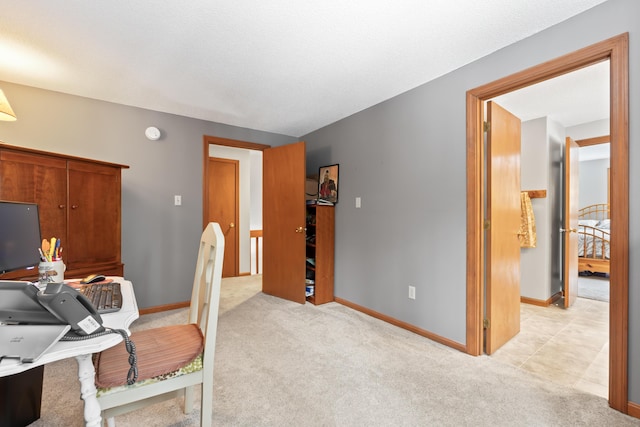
point(358, 202)
point(177, 200)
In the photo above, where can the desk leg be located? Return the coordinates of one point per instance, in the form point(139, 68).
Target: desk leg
point(86, 375)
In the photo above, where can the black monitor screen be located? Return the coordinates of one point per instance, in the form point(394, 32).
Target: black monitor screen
point(19, 236)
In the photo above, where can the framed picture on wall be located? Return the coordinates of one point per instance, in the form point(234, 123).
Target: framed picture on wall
point(328, 183)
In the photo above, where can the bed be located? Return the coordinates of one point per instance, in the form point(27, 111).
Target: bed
point(594, 236)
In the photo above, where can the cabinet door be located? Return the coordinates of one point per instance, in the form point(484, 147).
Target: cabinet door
point(94, 214)
point(37, 179)
point(324, 252)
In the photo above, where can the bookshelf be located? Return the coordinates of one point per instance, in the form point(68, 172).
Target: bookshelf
point(320, 242)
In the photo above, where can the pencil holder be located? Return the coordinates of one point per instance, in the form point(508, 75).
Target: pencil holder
point(51, 272)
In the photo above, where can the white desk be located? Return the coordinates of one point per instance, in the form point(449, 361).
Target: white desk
point(82, 351)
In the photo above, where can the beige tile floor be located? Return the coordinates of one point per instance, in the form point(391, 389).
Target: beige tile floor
point(566, 346)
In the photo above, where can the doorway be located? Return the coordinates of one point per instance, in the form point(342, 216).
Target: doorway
point(616, 51)
point(244, 159)
point(565, 346)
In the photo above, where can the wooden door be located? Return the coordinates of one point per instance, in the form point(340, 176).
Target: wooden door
point(224, 207)
point(503, 214)
point(94, 215)
point(283, 219)
point(36, 179)
point(571, 188)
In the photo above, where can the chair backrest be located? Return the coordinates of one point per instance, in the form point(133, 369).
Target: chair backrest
point(205, 296)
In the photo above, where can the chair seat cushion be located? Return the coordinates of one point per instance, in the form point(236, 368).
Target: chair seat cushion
point(160, 352)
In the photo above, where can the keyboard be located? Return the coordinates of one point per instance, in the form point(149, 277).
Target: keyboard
point(105, 297)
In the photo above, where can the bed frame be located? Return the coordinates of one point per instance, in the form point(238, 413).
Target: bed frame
point(598, 238)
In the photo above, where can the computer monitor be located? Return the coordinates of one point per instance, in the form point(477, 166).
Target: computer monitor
point(19, 236)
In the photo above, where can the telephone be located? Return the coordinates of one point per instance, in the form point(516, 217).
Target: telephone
point(25, 303)
point(58, 303)
point(71, 307)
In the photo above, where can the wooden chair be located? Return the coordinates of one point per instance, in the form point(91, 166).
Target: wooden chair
point(166, 365)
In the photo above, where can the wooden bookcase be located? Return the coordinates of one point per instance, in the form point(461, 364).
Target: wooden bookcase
point(320, 250)
point(79, 201)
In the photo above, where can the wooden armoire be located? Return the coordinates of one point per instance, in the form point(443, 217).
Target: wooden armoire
point(79, 201)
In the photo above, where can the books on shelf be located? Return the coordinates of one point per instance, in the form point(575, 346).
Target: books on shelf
point(320, 202)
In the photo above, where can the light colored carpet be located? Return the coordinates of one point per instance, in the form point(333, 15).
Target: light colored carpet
point(280, 363)
point(593, 287)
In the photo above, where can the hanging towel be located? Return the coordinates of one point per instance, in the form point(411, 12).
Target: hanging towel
point(527, 234)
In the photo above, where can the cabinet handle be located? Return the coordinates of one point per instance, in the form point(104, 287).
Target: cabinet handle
point(300, 230)
point(60, 206)
point(232, 225)
point(74, 206)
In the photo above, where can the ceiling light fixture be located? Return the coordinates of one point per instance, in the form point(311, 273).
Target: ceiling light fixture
point(6, 112)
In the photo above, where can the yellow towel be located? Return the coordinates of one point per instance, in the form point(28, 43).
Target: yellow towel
point(527, 234)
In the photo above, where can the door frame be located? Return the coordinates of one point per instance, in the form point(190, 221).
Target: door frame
point(207, 141)
point(616, 50)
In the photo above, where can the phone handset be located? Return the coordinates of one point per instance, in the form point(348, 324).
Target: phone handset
point(71, 307)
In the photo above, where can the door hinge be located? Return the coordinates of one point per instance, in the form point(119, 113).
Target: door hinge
point(486, 126)
point(486, 324)
point(487, 224)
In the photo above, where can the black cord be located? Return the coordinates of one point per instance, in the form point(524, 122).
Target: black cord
point(132, 375)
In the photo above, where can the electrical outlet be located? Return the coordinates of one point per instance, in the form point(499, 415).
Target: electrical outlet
point(177, 200)
point(412, 292)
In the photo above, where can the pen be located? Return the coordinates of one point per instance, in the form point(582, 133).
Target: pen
point(52, 248)
point(56, 252)
point(42, 257)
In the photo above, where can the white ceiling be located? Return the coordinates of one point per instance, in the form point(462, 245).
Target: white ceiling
point(284, 66)
point(573, 99)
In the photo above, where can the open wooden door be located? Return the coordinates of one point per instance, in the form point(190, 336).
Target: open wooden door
point(283, 222)
point(571, 188)
point(503, 214)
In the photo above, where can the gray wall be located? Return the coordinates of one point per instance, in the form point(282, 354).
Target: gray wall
point(159, 240)
point(593, 173)
point(593, 182)
point(589, 129)
point(540, 170)
point(406, 159)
